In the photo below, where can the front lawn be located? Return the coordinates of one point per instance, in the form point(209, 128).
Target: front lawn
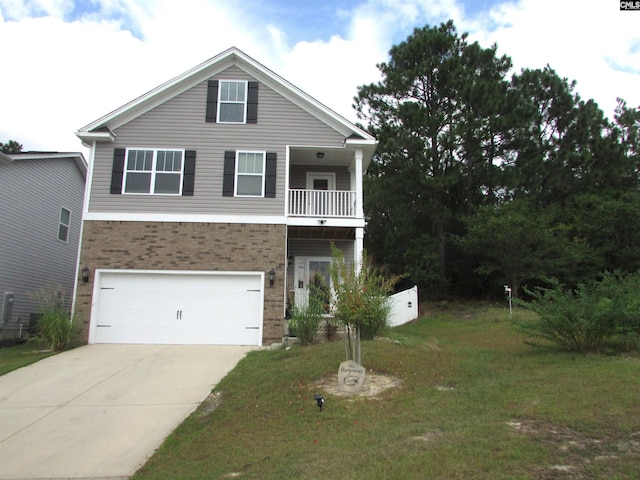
point(15, 356)
point(474, 402)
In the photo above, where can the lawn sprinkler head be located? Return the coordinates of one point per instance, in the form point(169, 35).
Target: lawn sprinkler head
point(320, 401)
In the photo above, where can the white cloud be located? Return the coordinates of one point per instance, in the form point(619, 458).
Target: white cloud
point(61, 78)
point(19, 9)
point(71, 73)
point(66, 73)
point(580, 41)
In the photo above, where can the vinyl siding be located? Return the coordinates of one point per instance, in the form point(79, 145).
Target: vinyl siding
point(31, 256)
point(298, 176)
point(180, 123)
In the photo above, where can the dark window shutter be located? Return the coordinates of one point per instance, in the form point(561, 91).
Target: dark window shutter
point(212, 100)
point(189, 173)
point(252, 102)
point(270, 175)
point(117, 170)
point(229, 173)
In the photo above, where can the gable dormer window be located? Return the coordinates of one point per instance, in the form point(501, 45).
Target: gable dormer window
point(232, 101)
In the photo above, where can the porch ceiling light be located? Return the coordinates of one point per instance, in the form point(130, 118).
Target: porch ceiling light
point(272, 276)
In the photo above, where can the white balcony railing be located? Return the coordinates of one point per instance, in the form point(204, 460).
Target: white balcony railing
point(322, 203)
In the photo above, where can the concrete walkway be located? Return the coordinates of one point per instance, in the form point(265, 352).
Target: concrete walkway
point(100, 411)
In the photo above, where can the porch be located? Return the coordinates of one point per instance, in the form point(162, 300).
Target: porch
point(324, 183)
point(309, 260)
point(324, 207)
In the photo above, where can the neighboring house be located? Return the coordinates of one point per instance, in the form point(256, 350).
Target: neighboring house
point(214, 199)
point(41, 199)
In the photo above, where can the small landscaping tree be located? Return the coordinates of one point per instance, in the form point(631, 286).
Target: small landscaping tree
point(361, 300)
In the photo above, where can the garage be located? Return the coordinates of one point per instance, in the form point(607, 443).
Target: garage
point(213, 308)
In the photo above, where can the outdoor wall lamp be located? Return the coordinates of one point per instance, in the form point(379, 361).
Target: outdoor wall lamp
point(272, 277)
point(320, 155)
point(85, 274)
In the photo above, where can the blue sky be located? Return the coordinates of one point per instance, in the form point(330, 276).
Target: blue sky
point(73, 62)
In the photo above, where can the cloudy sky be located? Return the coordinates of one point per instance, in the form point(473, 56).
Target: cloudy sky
point(66, 63)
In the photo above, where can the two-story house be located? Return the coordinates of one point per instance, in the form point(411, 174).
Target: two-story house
point(213, 200)
point(41, 198)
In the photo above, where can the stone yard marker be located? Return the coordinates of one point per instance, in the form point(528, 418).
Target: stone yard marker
point(350, 377)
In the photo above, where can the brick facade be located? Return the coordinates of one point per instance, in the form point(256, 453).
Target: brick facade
point(186, 246)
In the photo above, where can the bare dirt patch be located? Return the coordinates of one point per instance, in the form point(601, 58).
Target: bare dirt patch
point(575, 450)
point(374, 385)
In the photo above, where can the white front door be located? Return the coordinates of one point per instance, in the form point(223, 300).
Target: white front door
point(312, 277)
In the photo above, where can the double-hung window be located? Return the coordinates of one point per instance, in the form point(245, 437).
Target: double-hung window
point(250, 167)
point(64, 224)
point(153, 171)
point(232, 101)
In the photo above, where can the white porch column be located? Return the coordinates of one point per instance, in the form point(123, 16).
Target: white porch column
point(357, 173)
point(358, 246)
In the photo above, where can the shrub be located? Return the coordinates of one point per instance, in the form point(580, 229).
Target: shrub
point(55, 324)
point(57, 328)
point(586, 319)
point(305, 320)
point(628, 306)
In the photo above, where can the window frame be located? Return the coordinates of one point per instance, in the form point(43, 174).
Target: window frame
point(154, 171)
point(237, 174)
point(245, 84)
point(66, 226)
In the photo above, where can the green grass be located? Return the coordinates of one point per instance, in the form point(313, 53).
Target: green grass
point(17, 356)
point(475, 403)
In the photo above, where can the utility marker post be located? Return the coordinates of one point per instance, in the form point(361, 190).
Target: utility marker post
point(507, 290)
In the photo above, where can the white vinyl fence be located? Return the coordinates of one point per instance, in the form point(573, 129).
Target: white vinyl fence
point(404, 307)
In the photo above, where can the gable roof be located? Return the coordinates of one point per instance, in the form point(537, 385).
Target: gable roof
point(102, 129)
point(78, 158)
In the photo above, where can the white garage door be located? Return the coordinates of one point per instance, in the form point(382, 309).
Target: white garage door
point(177, 308)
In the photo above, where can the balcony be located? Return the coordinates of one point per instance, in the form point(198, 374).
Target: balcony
point(322, 203)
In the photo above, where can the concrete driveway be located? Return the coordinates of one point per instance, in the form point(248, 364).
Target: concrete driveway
point(100, 411)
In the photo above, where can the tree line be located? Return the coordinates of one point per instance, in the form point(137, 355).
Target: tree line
point(485, 178)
